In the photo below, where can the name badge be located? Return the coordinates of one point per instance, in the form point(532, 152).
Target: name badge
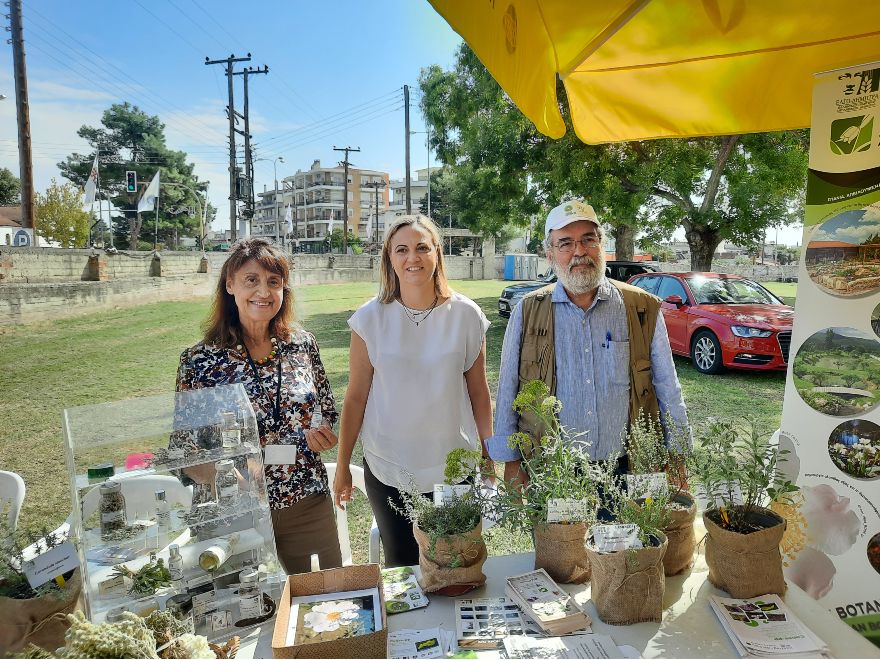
point(280, 455)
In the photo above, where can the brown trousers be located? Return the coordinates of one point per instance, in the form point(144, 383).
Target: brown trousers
point(306, 528)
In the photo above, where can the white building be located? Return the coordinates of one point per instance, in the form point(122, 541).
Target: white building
point(418, 185)
point(317, 197)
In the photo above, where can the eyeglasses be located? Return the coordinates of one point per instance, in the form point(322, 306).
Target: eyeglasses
point(590, 241)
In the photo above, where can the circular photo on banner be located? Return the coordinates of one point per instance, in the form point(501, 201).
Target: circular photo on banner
point(874, 552)
point(854, 447)
point(875, 321)
point(843, 255)
point(837, 371)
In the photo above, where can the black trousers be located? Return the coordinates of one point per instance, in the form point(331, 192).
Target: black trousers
point(622, 467)
point(395, 530)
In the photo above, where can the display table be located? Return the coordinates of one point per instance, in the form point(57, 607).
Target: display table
point(689, 628)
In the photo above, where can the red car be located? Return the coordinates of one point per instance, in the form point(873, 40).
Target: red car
point(722, 320)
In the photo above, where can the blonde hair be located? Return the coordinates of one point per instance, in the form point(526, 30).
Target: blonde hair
point(389, 284)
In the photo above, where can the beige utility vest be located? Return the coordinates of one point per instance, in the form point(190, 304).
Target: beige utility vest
point(537, 358)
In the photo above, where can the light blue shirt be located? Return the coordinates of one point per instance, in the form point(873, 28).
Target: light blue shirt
point(592, 374)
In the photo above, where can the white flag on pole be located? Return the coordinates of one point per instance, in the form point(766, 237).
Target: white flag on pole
point(288, 219)
point(369, 230)
point(330, 225)
point(91, 184)
point(151, 194)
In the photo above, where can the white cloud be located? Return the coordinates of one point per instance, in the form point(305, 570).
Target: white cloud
point(51, 91)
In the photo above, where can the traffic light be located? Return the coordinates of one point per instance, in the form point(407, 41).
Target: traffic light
point(131, 184)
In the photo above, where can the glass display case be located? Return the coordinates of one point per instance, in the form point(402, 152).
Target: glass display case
point(176, 478)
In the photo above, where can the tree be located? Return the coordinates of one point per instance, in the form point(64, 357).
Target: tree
point(133, 140)
point(60, 215)
point(10, 188)
point(716, 188)
point(336, 240)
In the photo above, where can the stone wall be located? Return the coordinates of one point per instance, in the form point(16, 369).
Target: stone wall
point(26, 303)
point(45, 283)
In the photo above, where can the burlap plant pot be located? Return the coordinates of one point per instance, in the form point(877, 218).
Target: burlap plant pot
point(627, 586)
point(746, 565)
point(455, 563)
point(559, 550)
point(34, 621)
point(680, 536)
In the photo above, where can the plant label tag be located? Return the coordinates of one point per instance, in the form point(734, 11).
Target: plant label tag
point(52, 563)
point(221, 620)
point(112, 586)
point(444, 492)
point(612, 538)
point(280, 455)
point(566, 509)
point(653, 484)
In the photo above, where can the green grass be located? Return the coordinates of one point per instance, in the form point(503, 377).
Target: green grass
point(134, 352)
point(785, 290)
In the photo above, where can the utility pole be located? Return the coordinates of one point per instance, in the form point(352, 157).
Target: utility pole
point(376, 185)
point(233, 211)
point(345, 198)
point(406, 128)
point(25, 163)
point(248, 154)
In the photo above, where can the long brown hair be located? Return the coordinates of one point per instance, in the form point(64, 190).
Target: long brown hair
point(223, 327)
point(389, 285)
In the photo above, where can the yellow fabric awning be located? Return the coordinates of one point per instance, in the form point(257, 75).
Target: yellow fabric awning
point(647, 69)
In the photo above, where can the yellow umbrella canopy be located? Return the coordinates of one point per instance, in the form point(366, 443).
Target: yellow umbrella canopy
point(637, 70)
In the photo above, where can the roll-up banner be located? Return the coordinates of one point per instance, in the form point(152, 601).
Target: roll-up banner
point(831, 416)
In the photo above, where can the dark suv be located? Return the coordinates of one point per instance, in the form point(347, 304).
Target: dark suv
point(616, 270)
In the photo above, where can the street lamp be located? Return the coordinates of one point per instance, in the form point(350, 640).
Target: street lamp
point(203, 208)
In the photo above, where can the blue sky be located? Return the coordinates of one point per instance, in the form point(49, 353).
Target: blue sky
point(336, 73)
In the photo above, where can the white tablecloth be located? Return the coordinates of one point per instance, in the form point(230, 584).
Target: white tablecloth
point(689, 628)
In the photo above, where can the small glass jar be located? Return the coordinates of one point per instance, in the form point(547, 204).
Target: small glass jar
point(226, 484)
point(112, 508)
point(181, 608)
point(175, 568)
point(317, 419)
point(250, 595)
point(230, 430)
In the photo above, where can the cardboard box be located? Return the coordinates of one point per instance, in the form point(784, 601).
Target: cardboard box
point(347, 578)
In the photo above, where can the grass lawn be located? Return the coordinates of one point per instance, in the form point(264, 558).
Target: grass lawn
point(785, 290)
point(134, 352)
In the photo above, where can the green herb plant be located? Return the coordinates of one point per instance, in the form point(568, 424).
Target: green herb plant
point(557, 466)
point(459, 514)
point(738, 469)
point(653, 447)
point(13, 582)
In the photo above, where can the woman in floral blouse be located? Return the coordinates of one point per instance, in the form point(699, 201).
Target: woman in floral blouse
point(251, 338)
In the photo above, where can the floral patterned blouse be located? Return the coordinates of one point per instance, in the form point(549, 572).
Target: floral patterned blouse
point(304, 387)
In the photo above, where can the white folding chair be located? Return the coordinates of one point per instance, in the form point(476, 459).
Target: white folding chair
point(12, 490)
point(357, 481)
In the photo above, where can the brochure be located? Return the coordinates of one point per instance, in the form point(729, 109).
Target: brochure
point(765, 627)
point(483, 623)
point(402, 590)
point(574, 646)
point(428, 643)
point(542, 600)
point(326, 617)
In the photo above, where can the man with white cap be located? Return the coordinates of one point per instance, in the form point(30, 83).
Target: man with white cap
point(600, 345)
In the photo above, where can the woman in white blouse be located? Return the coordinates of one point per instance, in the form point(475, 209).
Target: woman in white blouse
point(417, 387)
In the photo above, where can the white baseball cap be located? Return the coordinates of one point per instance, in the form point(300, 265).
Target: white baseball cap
point(569, 212)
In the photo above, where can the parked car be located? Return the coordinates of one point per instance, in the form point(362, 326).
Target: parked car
point(617, 270)
point(722, 320)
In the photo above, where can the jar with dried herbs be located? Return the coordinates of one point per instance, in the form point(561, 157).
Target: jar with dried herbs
point(112, 508)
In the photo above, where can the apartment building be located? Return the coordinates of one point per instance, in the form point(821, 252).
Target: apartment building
point(317, 198)
point(418, 185)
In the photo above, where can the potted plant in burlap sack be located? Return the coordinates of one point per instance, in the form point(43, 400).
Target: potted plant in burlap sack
point(32, 616)
point(449, 530)
point(658, 458)
point(626, 556)
point(560, 500)
point(737, 470)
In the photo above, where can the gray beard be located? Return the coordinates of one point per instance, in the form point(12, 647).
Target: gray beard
point(581, 282)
